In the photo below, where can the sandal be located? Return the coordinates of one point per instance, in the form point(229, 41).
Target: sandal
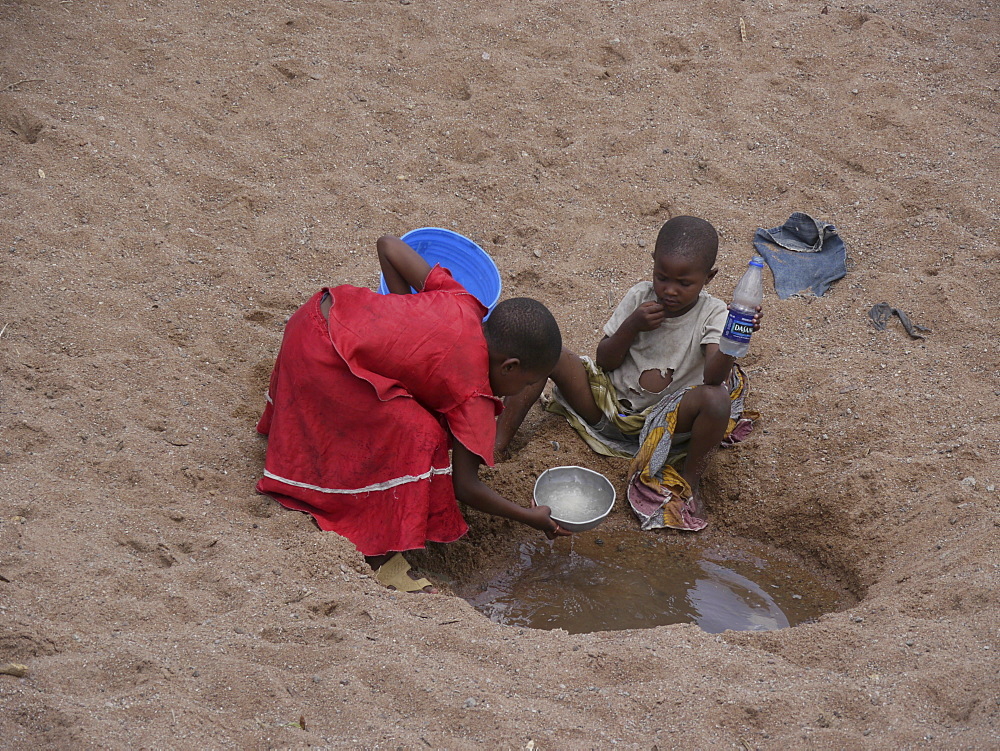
point(393, 574)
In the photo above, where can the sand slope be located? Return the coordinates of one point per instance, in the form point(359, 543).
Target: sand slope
point(178, 177)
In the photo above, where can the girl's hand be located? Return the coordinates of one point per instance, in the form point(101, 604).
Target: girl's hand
point(757, 319)
point(544, 522)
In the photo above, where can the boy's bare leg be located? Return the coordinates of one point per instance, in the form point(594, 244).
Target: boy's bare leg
point(515, 409)
point(571, 378)
point(703, 412)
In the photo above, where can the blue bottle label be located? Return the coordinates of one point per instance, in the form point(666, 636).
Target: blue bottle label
point(739, 326)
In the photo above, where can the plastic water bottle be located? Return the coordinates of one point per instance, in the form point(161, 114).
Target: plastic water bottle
point(747, 296)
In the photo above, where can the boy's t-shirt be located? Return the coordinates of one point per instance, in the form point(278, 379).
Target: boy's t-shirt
point(676, 345)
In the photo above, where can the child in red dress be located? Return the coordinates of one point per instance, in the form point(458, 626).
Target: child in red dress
point(370, 392)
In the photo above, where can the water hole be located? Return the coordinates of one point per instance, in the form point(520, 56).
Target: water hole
point(614, 580)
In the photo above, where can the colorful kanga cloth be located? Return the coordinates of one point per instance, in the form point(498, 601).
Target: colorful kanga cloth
point(359, 412)
point(657, 493)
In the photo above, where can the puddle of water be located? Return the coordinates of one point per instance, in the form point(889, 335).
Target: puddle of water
point(625, 580)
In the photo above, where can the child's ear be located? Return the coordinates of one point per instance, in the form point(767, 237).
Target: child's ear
point(509, 365)
point(711, 274)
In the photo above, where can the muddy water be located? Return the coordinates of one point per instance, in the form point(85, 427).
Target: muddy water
point(623, 580)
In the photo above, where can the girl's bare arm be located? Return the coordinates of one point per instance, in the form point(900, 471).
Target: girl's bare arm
point(402, 266)
point(471, 490)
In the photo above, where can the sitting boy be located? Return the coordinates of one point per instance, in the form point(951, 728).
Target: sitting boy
point(659, 391)
point(369, 393)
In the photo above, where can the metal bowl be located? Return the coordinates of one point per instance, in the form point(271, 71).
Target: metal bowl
point(579, 498)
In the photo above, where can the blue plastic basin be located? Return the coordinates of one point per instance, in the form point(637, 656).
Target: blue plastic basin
point(469, 264)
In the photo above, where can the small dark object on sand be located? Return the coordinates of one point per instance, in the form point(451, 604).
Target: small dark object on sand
point(882, 312)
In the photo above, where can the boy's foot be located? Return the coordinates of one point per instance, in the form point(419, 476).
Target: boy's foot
point(696, 506)
point(394, 574)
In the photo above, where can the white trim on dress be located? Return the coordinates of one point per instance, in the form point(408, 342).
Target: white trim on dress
point(368, 488)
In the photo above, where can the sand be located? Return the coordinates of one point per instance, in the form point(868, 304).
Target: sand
point(178, 177)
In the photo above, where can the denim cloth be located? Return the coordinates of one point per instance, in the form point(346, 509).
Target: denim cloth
point(805, 255)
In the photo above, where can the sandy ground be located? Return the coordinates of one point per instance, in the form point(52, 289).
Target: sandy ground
point(178, 177)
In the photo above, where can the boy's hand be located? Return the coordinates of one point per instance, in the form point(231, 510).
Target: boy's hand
point(648, 316)
point(613, 349)
point(757, 319)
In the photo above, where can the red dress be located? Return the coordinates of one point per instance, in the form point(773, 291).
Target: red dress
point(359, 412)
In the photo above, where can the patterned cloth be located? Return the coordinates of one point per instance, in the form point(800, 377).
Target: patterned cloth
point(621, 436)
point(659, 496)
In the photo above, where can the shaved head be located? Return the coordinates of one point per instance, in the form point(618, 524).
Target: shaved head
point(689, 237)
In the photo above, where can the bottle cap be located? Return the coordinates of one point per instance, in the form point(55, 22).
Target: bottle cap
point(757, 261)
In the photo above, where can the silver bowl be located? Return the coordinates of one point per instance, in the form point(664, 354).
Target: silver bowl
point(579, 498)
